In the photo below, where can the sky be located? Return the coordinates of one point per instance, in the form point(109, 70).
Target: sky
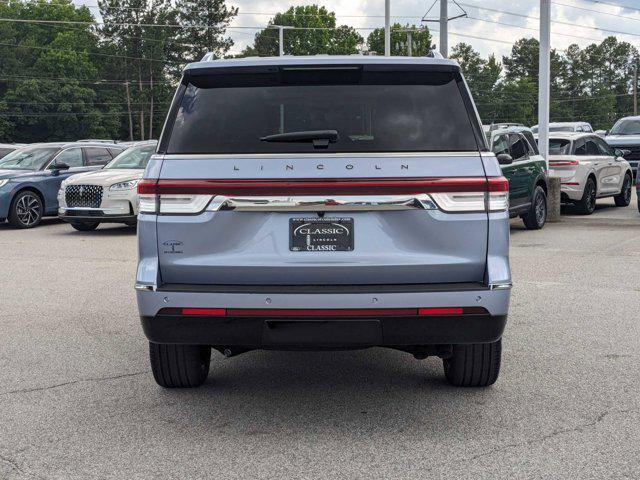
point(495, 38)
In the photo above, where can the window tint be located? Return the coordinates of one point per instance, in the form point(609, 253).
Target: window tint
point(592, 148)
point(517, 147)
point(97, 156)
point(559, 146)
point(500, 145)
point(371, 111)
point(603, 148)
point(71, 156)
point(533, 146)
point(580, 147)
point(4, 151)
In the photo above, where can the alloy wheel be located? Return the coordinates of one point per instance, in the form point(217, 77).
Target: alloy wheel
point(28, 209)
point(540, 209)
point(626, 189)
point(591, 197)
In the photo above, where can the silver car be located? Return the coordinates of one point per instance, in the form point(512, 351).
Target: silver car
point(625, 135)
point(323, 203)
point(589, 169)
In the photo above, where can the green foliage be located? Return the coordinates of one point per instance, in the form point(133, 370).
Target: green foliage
point(76, 80)
point(421, 40)
point(318, 34)
point(591, 84)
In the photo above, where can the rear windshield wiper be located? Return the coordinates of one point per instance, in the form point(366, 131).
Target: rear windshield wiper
point(319, 138)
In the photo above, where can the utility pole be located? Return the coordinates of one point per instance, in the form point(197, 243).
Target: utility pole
point(444, 23)
point(387, 28)
point(544, 90)
point(635, 90)
point(281, 29)
point(409, 32)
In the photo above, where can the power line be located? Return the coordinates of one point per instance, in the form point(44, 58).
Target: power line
point(87, 53)
point(559, 22)
point(596, 11)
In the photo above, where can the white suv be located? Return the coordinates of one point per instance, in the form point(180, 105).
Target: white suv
point(589, 169)
point(107, 195)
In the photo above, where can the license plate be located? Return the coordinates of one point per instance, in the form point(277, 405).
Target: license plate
point(321, 234)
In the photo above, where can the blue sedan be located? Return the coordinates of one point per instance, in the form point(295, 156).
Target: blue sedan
point(30, 177)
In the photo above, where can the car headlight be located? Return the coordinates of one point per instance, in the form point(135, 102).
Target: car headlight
point(130, 185)
point(4, 182)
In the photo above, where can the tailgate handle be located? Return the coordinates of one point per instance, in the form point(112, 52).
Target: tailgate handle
point(314, 203)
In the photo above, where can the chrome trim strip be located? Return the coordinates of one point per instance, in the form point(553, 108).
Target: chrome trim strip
point(314, 203)
point(501, 286)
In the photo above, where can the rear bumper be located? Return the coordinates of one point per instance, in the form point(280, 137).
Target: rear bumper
point(320, 332)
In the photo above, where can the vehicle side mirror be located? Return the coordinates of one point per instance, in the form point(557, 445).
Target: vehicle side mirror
point(601, 133)
point(504, 159)
point(61, 166)
point(621, 152)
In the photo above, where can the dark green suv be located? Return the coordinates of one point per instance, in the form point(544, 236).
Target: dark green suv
point(526, 170)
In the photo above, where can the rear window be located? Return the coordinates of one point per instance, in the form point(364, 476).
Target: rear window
point(559, 146)
point(371, 111)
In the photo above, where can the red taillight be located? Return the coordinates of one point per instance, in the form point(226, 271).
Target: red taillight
point(147, 186)
point(334, 186)
point(205, 312)
point(440, 311)
point(498, 184)
point(563, 163)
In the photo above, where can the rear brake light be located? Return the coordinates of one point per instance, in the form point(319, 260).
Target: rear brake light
point(185, 203)
point(452, 194)
point(563, 163)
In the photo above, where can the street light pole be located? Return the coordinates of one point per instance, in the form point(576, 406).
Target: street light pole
point(281, 29)
point(544, 80)
point(444, 34)
point(387, 28)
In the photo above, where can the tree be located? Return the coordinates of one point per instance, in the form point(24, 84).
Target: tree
point(205, 23)
point(481, 75)
point(316, 33)
point(421, 41)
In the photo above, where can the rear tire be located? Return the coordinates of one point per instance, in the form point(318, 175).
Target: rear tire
point(536, 216)
point(179, 366)
point(473, 365)
point(85, 226)
point(623, 199)
point(587, 204)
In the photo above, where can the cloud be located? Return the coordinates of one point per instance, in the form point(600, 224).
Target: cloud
point(487, 30)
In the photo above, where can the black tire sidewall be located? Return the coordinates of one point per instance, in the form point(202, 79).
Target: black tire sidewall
point(13, 213)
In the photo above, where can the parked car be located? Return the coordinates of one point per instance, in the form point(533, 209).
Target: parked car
point(30, 177)
point(589, 169)
point(625, 135)
point(566, 127)
point(526, 171)
point(305, 203)
point(109, 195)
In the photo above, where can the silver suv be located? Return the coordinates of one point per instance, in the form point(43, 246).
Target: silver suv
point(317, 203)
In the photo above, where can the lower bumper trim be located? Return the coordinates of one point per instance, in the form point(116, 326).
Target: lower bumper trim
point(321, 333)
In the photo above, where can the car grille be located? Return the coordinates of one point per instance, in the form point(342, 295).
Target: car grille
point(83, 196)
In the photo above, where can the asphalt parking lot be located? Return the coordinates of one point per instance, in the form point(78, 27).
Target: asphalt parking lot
point(77, 399)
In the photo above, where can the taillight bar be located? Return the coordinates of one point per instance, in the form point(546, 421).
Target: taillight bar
point(563, 163)
point(323, 312)
point(335, 186)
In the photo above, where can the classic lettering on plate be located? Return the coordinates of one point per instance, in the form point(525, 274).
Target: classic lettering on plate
point(321, 234)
